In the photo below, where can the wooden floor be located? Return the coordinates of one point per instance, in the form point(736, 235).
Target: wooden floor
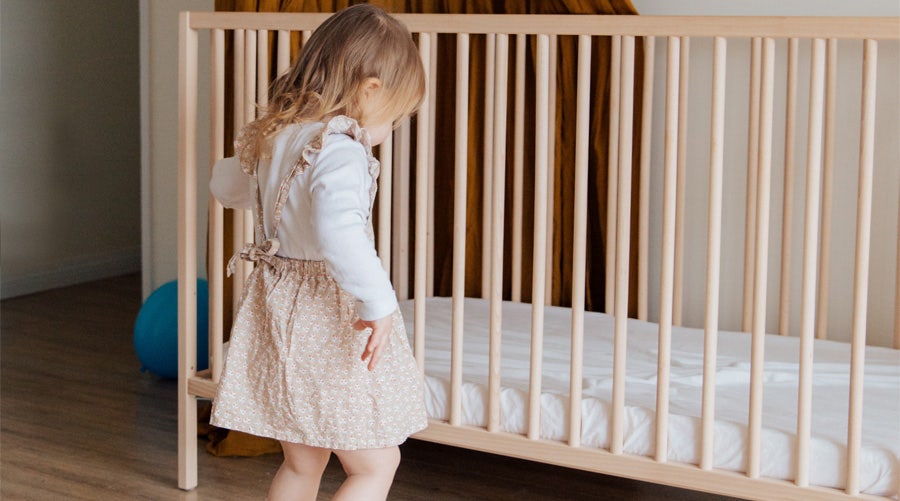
point(78, 420)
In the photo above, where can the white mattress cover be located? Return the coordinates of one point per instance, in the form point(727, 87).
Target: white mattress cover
point(880, 455)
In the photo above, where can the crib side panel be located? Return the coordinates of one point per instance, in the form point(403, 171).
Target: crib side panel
point(662, 257)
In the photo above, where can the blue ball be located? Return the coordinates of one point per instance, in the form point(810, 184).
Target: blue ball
point(156, 330)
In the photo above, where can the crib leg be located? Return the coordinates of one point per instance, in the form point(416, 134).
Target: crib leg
point(187, 440)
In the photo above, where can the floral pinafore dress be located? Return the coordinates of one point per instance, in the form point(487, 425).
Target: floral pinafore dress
point(293, 370)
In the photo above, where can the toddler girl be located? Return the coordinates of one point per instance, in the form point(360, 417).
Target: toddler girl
point(319, 358)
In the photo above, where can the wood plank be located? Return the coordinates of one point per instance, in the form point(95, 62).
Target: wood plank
point(884, 28)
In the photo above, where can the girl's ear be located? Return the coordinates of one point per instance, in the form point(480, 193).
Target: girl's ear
point(369, 103)
point(370, 88)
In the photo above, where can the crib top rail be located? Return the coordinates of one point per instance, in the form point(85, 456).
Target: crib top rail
point(878, 28)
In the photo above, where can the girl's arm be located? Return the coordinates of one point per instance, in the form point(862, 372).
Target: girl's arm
point(231, 185)
point(339, 186)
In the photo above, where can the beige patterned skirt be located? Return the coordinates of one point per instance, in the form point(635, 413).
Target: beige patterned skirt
point(293, 370)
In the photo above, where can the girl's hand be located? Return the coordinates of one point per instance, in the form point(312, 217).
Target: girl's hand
point(378, 340)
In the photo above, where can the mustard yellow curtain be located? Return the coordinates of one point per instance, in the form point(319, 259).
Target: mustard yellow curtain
point(562, 169)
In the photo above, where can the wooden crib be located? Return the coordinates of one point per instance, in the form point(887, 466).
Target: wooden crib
point(506, 404)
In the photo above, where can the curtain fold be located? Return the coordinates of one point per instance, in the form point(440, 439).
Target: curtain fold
point(562, 167)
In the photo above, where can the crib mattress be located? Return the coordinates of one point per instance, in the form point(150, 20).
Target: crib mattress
point(880, 454)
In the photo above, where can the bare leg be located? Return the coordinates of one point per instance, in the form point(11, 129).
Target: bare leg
point(370, 473)
point(300, 473)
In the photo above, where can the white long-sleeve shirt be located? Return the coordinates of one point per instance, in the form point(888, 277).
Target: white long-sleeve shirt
point(327, 212)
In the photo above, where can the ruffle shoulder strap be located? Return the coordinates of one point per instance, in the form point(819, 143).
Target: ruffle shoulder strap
point(349, 127)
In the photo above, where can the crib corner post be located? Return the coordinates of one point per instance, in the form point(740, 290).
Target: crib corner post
point(187, 251)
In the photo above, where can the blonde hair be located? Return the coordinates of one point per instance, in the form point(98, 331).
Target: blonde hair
point(353, 45)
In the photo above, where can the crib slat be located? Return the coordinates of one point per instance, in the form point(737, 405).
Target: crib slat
point(498, 200)
point(238, 220)
point(401, 210)
point(644, 183)
point(518, 172)
point(897, 289)
point(460, 187)
point(262, 68)
point(784, 302)
point(713, 252)
point(757, 355)
point(752, 168)
point(489, 69)
point(421, 229)
point(612, 176)
point(670, 176)
point(262, 86)
point(249, 76)
point(681, 183)
point(245, 267)
point(623, 226)
point(216, 270)
point(187, 257)
point(579, 249)
point(432, 97)
point(542, 130)
point(810, 241)
point(284, 52)
point(306, 35)
point(861, 264)
point(551, 180)
point(385, 195)
point(239, 81)
point(827, 189)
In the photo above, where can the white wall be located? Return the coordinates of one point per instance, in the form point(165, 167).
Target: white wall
point(159, 102)
point(887, 173)
point(69, 182)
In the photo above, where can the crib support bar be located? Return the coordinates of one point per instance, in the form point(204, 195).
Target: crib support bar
point(498, 200)
point(579, 251)
point(644, 182)
point(752, 168)
point(667, 265)
point(551, 170)
point(623, 230)
point(249, 104)
point(784, 302)
point(811, 224)
point(612, 175)
point(827, 189)
point(283, 61)
point(262, 68)
point(542, 130)
point(238, 120)
point(421, 231)
point(459, 225)
point(432, 98)
point(757, 357)
point(861, 264)
point(518, 172)
point(187, 257)
point(216, 267)
point(897, 288)
point(713, 252)
point(385, 195)
point(490, 69)
point(400, 255)
point(684, 63)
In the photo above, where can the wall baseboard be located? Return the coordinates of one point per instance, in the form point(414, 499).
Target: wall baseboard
point(73, 272)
